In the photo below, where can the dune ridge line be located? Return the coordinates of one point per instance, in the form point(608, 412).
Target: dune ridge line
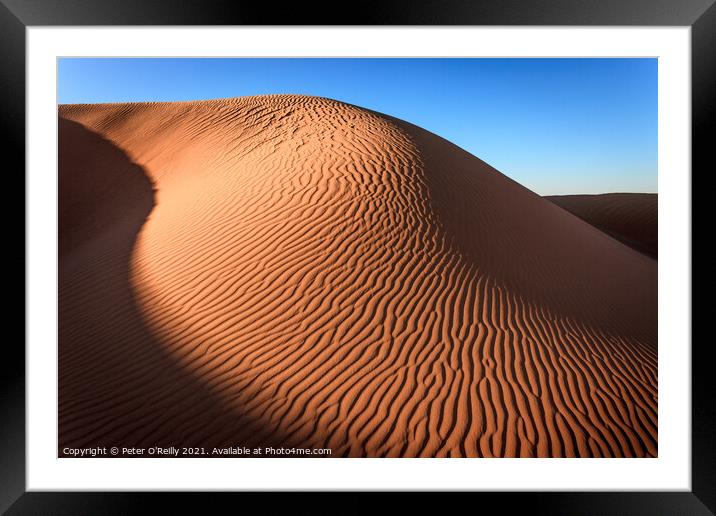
point(294, 270)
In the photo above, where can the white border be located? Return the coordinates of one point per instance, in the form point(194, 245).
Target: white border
point(671, 471)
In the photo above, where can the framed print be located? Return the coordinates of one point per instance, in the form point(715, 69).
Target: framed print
point(437, 249)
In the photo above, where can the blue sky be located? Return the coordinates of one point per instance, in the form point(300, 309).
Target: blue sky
point(557, 126)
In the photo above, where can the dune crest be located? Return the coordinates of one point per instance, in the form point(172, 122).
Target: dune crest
point(333, 277)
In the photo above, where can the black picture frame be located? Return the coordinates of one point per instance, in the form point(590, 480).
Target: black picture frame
point(17, 15)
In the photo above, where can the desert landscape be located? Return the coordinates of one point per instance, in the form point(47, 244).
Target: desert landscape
point(289, 270)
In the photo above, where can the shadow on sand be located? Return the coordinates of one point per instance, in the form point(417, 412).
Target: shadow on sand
point(117, 384)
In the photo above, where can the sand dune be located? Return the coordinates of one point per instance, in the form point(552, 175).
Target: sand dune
point(631, 218)
point(295, 271)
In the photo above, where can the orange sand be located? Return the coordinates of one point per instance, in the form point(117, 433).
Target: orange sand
point(295, 271)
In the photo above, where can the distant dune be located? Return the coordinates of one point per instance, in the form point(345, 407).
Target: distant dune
point(295, 271)
point(631, 218)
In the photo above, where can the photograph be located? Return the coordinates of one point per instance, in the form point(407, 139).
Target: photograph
point(449, 246)
point(357, 257)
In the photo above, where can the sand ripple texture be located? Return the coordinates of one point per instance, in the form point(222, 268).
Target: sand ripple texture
point(296, 271)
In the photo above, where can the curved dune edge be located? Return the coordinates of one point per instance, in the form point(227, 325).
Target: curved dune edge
point(297, 271)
